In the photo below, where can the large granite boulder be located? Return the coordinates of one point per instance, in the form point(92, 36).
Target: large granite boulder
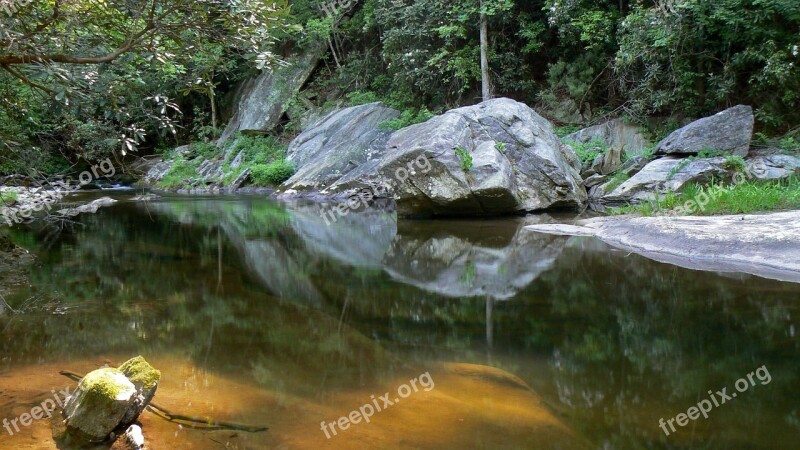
point(728, 131)
point(336, 144)
point(496, 157)
point(615, 133)
point(263, 99)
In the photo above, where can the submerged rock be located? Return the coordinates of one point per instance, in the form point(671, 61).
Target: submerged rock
point(132, 439)
point(90, 207)
point(729, 131)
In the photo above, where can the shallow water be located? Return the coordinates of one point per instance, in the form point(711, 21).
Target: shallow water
point(262, 314)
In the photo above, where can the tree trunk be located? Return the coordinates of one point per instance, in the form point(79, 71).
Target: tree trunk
point(485, 81)
point(212, 97)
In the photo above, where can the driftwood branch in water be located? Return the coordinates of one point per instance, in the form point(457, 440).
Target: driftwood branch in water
point(193, 423)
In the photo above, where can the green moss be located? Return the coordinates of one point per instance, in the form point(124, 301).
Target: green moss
point(102, 386)
point(141, 373)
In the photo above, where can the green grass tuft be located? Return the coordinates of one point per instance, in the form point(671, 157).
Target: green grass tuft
point(407, 118)
point(745, 198)
point(465, 157)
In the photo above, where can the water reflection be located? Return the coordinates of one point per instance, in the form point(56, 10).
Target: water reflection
point(311, 318)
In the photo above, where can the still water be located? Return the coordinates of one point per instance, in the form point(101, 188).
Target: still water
point(262, 314)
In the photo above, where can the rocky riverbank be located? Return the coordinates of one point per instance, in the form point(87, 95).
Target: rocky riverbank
point(764, 245)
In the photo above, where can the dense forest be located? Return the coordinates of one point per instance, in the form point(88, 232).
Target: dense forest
point(84, 80)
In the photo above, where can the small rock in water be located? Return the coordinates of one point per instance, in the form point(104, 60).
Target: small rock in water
point(98, 405)
point(108, 398)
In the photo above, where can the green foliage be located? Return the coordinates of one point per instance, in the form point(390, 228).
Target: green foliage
point(361, 98)
point(744, 198)
point(500, 146)
point(702, 56)
point(566, 130)
point(588, 151)
point(678, 167)
point(407, 118)
point(465, 157)
point(183, 173)
point(265, 156)
point(272, 174)
point(735, 163)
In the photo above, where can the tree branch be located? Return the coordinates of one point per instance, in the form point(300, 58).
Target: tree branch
point(25, 79)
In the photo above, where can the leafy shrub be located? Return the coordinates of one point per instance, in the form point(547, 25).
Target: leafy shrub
point(272, 174)
point(407, 118)
point(588, 151)
point(361, 98)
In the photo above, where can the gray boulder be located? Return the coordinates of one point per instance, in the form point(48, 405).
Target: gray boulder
point(493, 158)
point(728, 131)
point(263, 99)
point(336, 144)
point(773, 167)
point(615, 133)
point(157, 172)
point(668, 174)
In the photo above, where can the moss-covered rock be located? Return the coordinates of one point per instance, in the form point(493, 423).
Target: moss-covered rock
point(145, 378)
point(99, 404)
